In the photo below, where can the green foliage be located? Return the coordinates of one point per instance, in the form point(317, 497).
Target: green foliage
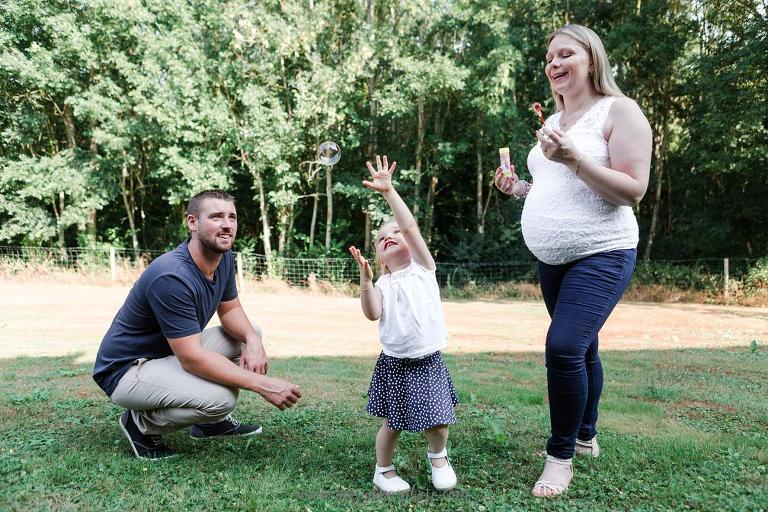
point(112, 116)
point(684, 276)
point(756, 277)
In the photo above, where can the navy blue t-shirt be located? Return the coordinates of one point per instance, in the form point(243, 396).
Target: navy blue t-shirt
point(171, 299)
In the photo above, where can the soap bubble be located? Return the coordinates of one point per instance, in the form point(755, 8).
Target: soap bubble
point(328, 153)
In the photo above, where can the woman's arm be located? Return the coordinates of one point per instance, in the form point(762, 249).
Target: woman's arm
point(629, 148)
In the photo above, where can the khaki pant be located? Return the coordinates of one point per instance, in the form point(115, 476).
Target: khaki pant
point(163, 397)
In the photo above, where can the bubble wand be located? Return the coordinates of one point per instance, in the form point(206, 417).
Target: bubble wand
point(537, 109)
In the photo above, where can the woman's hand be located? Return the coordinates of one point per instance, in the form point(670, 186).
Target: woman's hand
point(557, 146)
point(366, 274)
point(508, 184)
point(382, 175)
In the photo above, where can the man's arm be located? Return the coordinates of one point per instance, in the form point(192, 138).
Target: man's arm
point(235, 322)
point(195, 359)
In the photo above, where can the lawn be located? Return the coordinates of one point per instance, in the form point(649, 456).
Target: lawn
point(680, 430)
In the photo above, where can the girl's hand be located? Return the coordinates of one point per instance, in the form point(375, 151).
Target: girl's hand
point(557, 145)
point(508, 184)
point(382, 176)
point(366, 274)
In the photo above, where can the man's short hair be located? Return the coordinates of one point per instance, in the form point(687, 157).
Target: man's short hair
point(193, 208)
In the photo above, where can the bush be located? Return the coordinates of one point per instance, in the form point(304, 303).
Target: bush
point(756, 277)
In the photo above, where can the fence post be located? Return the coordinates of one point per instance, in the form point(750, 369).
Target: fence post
point(725, 277)
point(240, 271)
point(112, 264)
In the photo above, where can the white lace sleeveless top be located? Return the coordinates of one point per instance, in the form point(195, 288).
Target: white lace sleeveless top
point(563, 219)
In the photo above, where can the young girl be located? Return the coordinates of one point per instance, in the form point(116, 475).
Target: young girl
point(411, 388)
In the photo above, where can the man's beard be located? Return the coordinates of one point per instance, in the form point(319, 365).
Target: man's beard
point(211, 245)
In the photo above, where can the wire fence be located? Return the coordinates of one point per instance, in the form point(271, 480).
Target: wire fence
point(303, 271)
point(120, 264)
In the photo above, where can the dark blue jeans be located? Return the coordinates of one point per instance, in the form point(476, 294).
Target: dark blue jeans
point(580, 296)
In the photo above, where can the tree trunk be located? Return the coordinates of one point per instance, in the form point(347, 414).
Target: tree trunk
point(286, 90)
point(282, 228)
point(90, 228)
point(329, 202)
point(313, 223)
point(479, 187)
point(429, 214)
point(126, 190)
point(289, 241)
point(57, 211)
point(367, 245)
point(265, 228)
point(69, 126)
point(283, 219)
point(419, 149)
point(660, 153)
point(370, 19)
point(69, 130)
point(669, 204)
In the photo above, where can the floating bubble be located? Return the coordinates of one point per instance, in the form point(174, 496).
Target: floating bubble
point(328, 153)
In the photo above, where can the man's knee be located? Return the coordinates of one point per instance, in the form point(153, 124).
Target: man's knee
point(221, 402)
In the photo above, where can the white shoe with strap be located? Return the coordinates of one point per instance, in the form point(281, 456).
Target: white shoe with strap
point(555, 478)
point(444, 478)
point(392, 485)
point(589, 448)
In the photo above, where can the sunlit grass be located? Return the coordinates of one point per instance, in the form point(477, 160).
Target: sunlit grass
point(679, 430)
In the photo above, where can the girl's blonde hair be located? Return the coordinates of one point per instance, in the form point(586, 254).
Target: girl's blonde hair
point(602, 77)
point(380, 266)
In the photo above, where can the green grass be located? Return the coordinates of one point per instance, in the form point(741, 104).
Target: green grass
point(680, 430)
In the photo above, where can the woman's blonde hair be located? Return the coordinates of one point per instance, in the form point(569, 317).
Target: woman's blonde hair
point(602, 77)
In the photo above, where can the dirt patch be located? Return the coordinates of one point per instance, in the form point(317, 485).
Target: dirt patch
point(53, 319)
point(704, 404)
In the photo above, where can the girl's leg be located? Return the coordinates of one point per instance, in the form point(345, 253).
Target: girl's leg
point(436, 438)
point(589, 291)
point(386, 440)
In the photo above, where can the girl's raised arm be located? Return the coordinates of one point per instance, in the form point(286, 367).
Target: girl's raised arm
point(382, 183)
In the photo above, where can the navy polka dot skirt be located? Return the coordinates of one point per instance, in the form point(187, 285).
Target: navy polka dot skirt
point(413, 394)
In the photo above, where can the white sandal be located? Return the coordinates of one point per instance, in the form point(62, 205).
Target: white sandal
point(550, 483)
point(589, 448)
point(444, 478)
point(392, 485)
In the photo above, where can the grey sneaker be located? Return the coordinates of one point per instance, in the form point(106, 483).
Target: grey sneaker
point(149, 447)
point(229, 426)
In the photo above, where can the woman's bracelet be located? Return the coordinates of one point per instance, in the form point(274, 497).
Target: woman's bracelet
point(578, 163)
point(525, 191)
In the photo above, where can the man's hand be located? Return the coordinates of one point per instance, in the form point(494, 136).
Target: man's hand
point(280, 393)
point(254, 358)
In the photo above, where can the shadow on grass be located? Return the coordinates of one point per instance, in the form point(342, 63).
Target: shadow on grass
point(680, 429)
